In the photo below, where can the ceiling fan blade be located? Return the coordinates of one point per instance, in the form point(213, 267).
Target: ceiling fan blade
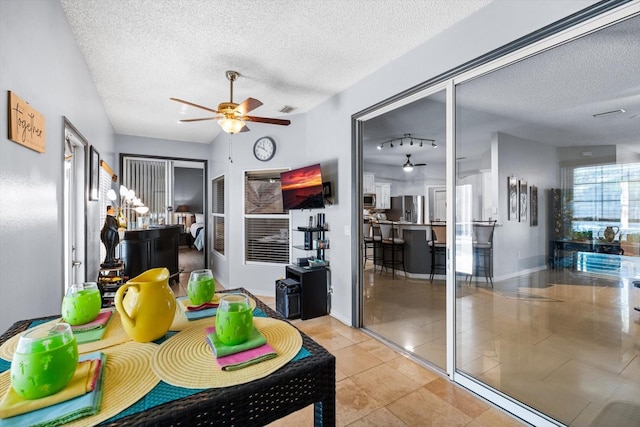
point(194, 105)
point(267, 120)
point(198, 120)
point(245, 129)
point(247, 105)
point(419, 164)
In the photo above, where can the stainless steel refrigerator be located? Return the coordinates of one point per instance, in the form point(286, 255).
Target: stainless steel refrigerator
point(409, 208)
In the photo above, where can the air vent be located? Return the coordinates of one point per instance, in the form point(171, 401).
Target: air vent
point(608, 113)
point(287, 109)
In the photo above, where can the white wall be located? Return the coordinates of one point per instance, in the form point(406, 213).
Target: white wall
point(518, 246)
point(292, 151)
point(40, 62)
point(128, 144)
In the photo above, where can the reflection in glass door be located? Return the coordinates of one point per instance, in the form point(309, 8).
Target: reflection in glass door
point(546, 316)
point(404, 286)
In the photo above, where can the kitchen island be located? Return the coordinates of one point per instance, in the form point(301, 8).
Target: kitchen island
point(417, 256)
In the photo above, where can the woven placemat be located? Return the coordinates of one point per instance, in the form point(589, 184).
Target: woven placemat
point(180, 321)
point(114, 335)
point(186, 360)
point(127, 378)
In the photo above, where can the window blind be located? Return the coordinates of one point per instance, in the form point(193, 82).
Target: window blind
point(266, 224)
point(218, 214)
point(606, 195)
point(148, 179)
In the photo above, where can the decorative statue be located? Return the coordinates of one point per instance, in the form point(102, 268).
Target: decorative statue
point(110, 238)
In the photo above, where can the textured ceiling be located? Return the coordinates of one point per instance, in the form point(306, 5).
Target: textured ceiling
point(288, 52)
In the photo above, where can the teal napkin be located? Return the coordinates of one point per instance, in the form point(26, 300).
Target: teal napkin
point(256, 339)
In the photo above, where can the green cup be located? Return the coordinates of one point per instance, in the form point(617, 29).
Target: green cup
point(234, 319)
point(201, 286)
point(81, 304)
point(44, 361)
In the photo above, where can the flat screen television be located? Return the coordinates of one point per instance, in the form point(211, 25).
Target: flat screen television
point(302, 188)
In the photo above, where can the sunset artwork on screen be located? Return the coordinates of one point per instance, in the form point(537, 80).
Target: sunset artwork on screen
point(302, 188)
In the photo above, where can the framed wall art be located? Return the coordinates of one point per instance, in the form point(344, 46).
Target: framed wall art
point(524, 200)
point(94, 174)
point(533, 205)
point(512, 191)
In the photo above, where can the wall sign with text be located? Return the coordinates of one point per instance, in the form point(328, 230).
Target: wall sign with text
point(26, 125)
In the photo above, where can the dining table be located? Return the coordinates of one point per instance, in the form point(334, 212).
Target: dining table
point(304, 380)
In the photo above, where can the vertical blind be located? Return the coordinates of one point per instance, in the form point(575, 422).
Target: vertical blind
point(148, 179)
point(266, 224)
point(218, 214)
point(104, 186)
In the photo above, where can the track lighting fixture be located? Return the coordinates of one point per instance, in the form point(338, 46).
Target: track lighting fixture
point(410, 140)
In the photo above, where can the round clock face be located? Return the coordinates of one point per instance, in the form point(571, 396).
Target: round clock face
point(264, 149)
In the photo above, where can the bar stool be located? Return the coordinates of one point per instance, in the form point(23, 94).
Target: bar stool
point(438, 247)
point(392, 245)
point(483, 248)
point(372, 240)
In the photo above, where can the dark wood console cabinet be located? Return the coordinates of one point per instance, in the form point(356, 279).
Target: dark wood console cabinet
point(154, 247)
point(314, 290)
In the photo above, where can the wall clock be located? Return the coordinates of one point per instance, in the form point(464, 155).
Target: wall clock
point(264, 149)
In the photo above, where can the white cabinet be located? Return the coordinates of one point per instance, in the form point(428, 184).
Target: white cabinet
point(368, 183)
point(383, 195)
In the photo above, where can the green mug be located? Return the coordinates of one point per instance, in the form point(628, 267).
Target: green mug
point(201, 286)
point(234, 319)
point(81, 303)
point(44, 362)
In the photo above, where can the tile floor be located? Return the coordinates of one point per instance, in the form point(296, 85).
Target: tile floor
point(378, 386)
point(564, 342)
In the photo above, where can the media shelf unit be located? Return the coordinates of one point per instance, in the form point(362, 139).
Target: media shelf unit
point(311, 235)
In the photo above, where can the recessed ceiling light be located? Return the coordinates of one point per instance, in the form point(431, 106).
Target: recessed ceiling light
point(609, 113)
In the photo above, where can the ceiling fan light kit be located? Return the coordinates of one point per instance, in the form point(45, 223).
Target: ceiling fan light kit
point(408, 166)
point(231, 125)
point(232, 117)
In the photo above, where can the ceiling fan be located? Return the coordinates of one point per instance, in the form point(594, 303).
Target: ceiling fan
point(408, 166)
point(231, 116)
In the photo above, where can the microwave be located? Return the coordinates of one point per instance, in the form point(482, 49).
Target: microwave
point(369, 201)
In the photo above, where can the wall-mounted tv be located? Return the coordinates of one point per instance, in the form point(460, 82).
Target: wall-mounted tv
point(302, 188)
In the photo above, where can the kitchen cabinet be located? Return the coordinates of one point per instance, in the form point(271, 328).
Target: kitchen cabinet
point(383, 195)
point(368, 183)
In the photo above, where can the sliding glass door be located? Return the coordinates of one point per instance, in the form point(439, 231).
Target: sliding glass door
point(549, 148)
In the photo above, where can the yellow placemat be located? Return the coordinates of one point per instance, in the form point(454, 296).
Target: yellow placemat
point(180, 321)
point(127, 378)
point(114, 335)
point(186, 360)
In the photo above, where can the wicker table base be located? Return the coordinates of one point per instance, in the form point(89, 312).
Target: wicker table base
point(310, 380)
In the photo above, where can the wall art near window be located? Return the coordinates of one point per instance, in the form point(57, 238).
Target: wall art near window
point(524, 198)
point(533, 205)
point(512, 191)
point(94, 174)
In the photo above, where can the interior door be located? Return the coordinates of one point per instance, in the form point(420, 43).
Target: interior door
point(75, 191)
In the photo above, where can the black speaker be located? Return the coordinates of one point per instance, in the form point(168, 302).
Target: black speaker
point(288, 298)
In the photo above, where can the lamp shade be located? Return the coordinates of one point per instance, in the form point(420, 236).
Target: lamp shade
point(182, 208)
point(231, 125)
